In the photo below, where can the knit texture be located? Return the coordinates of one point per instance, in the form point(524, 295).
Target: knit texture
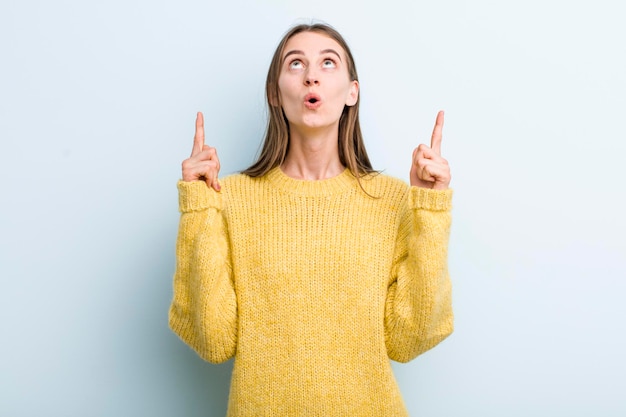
point(313, 286)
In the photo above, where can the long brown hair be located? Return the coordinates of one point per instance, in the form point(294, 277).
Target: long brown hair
point(352, 153)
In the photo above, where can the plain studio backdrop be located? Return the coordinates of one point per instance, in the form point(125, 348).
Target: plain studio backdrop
point(97, 109)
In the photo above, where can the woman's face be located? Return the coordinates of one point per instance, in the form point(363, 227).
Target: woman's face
point(314, 84)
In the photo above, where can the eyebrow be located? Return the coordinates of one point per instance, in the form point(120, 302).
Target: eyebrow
point(299, 52)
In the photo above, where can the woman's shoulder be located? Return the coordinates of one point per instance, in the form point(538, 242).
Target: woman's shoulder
point(384, 186)
point(376, 184)
point(235, 179)
point(238, 183)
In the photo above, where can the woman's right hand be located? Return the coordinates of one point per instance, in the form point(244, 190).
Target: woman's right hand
point(203, 163)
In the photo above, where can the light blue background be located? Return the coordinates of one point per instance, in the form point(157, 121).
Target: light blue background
point(97, 107)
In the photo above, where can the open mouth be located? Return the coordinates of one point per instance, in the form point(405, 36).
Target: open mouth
point(312, 101)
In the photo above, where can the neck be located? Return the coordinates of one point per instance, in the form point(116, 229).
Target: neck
point(313, 155)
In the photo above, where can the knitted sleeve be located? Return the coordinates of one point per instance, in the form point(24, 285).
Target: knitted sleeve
point(418, 310)
point(203, 312)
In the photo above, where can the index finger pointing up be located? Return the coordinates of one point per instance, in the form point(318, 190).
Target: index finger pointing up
point(198, 139)
point(435, 140)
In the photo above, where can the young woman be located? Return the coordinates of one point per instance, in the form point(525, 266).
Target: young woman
point(309, 267)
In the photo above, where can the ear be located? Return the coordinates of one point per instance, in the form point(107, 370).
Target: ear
point(353, 94)
point(273, 99)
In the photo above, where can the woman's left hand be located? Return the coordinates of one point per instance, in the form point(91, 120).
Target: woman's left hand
point(429, 169)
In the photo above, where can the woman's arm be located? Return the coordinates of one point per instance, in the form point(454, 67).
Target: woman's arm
point(204, 308)
point(418, 313)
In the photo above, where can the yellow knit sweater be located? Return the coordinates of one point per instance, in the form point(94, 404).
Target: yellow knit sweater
point(312, 286)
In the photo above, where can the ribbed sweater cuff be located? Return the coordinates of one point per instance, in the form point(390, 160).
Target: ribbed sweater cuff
point(427, 199)
point(197, 196)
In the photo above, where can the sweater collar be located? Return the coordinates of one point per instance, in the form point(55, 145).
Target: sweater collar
point(330, 186)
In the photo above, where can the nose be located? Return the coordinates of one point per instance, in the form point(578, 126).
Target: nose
point(311, 78)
